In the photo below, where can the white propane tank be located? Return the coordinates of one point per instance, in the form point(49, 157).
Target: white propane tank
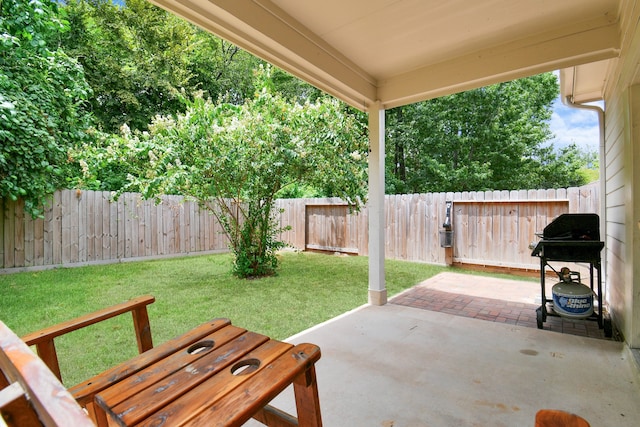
point(570, 297)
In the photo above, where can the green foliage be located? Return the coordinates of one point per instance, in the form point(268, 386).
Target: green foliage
point(42, 102)
point(255, 253)
point(566, 168)
point(293, 88)
point(589, 175)
point(106, 162)
point(589, 166)
point(484, 139)
point(235, 159)
point(299, 191)
point(142, 61)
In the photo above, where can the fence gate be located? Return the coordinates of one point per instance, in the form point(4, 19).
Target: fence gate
point(328, 228)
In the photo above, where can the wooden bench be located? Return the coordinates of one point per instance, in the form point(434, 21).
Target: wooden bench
point(43, 340)
point(216, 374)
point(30, 395)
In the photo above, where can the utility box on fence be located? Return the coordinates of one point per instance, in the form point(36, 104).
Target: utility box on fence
point(446, 234)
point(446, 238)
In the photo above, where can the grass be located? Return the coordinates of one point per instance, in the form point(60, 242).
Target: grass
point(309, 289)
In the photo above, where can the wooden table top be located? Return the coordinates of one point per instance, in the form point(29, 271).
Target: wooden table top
point(220, 377)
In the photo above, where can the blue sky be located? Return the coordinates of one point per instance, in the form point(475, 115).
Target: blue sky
point(571, 125)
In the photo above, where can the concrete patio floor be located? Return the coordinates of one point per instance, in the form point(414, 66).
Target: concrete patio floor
point(399, 366)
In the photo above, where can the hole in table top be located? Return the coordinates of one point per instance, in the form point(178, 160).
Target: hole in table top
point(201, 346)
point(245, 367)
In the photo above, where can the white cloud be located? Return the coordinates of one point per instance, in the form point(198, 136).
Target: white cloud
point(574, 126)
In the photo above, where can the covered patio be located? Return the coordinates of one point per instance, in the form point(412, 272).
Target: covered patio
point(390, 365)
point(380, 54)
point(400, 366)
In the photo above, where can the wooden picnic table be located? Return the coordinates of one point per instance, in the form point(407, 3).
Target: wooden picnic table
point(215, 375)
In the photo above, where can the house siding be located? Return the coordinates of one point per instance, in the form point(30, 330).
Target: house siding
point(633, 225)
point(622, 184)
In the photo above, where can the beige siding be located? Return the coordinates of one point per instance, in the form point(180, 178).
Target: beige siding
point(622, 183)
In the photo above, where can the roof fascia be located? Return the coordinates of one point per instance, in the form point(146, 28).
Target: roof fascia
point(510, 61)
point(265, 30)
point(268, 32)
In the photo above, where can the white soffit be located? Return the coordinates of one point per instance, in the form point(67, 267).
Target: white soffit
point(585, 83)
point(404, 51)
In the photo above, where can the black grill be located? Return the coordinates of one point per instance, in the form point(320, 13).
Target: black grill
point(572, 238)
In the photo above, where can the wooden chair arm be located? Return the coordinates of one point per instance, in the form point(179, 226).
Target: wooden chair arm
point(43, 339)
point(32, 395)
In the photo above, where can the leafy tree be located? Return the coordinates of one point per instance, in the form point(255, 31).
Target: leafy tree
point(484, 139)
point(235, 159)
point(142, 61)
point(567, 167)
point(293, 88)
point(42, 102)
point(590, 169)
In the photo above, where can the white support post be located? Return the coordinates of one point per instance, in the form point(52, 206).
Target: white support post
point(377, 288)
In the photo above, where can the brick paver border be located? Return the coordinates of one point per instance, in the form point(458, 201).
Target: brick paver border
point(494, 310)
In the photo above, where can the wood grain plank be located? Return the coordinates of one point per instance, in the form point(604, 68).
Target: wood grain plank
point(90, 234)
point(85, 391)
point(259, 388)
point(55, 230)
point(121, 222)
point(48, 397)
point(81, 228)
point(38, 241)
point(206, 399)
point(29, 240)
point(18, 233)
point(124, 229)
point(176, 376)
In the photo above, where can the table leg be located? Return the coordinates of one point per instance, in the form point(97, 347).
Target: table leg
point(305, 389)
point(97, 415)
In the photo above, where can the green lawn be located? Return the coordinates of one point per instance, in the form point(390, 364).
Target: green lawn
point(310, 288)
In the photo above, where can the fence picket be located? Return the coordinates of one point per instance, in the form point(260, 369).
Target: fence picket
point(91, 226)
point(18, 236)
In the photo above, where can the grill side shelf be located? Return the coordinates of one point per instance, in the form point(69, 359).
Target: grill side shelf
point(569, 250)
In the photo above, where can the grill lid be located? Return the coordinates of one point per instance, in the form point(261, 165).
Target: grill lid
point(571, 237)
point(574, 226)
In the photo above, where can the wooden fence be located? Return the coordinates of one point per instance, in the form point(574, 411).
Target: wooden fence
point(492, 229)
point(83, 227)
point(87, 227)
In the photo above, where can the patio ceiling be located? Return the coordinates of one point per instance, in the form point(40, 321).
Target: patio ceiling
point(403, 51)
